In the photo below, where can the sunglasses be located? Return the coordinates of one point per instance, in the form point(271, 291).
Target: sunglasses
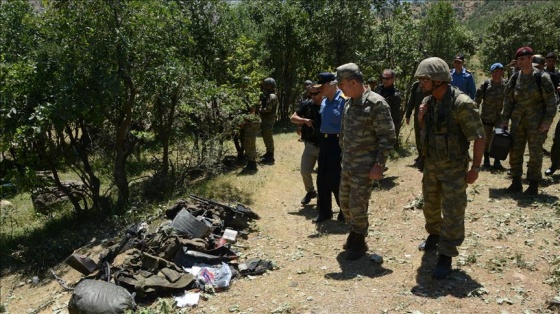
point(386, 77)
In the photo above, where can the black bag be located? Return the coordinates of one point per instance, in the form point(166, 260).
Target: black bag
point(500, 144)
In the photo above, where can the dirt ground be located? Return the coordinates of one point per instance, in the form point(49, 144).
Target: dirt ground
point(511, 250)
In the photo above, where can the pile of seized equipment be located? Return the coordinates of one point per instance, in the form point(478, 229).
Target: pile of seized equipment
point(191, 249)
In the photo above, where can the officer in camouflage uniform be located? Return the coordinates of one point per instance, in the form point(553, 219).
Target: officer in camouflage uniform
point(450, 121)
point(491, 95)
point(367, 136)
point(531, 110)
point(268, 109)
point(555, 150)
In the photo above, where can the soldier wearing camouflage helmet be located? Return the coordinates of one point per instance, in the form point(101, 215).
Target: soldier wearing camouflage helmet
point(367, 137)
point(450, 121)
point(531, 107)
point(268, 109)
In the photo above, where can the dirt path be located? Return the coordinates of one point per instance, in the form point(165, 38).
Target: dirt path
point(508, 253)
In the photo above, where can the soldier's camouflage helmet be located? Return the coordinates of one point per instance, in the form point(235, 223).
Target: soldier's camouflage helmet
point(435, 69)
point(269, 81)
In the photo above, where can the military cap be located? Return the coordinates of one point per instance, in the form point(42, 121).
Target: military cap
point(307, 82)
point(459, 57)
point(551, 55)
point(347, 70)
point(495, 66)
point(270, 81)
point(524, 51)
point(325, 77)
point(538, 59)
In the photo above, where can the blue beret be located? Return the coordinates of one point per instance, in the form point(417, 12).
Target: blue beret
point(496, 66)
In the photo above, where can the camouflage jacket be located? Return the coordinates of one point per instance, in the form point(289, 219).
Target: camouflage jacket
point(367, 132)
point(269, 105)
point(450, 125)
point(491, 96)
point(526, 102)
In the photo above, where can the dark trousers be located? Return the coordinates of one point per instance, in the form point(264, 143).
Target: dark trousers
point(328, 174)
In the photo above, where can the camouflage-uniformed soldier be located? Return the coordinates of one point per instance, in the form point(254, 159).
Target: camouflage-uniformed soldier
point(416, 96)
point(555, 149)
point(250, 127)
point(450, 121)
point(367, 135)
point(531, 110)
point(268, 109)
point(491, 95)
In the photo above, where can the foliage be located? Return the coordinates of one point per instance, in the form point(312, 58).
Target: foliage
point(442, 34)
point(538, 28)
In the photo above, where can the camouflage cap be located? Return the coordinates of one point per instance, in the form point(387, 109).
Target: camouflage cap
point(551, 55)
point(347, 70)
point(435, 69)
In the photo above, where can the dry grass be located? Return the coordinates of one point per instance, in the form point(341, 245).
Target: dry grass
point(509, 261)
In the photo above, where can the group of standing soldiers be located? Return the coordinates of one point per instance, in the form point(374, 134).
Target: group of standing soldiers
point(263, 116)
point(446, 121)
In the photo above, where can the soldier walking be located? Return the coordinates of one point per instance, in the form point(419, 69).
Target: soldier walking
point(530, 104)
point(450, 121)
point(367, 135)
point(491, 95)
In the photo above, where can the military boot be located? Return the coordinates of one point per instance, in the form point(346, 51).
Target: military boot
point(349, 241)
point(443, 267)
point(358, 247)
point(268, 158)
point(516, 185)
point(430, 244)
point(533, 188)
point(250, 168)
point(486, 163)
point(498, 164)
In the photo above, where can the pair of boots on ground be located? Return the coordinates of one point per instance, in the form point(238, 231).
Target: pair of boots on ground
point(517, 187)
point(497, 163)
point(355, 246)
point(251, 166)
point(443, 266)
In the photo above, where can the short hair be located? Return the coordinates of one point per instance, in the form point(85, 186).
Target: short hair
point(393, 74)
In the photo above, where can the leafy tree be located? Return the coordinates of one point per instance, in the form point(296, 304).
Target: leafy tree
point(442, 35)
point(537, 26)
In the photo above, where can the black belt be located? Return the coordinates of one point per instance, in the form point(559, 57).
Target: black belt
point(326, 135)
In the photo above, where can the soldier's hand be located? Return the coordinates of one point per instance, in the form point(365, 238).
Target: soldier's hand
point(422, 111)
point(472, 175)
point(376, 172)
point(544, 128)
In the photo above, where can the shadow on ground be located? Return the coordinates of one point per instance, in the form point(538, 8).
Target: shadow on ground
point(458, 284)
point(363, 266)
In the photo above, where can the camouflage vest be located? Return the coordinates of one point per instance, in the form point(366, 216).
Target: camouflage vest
point(444, 139)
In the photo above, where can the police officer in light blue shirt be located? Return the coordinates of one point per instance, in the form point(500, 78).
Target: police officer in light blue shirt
point(328, 170)
point(462, 79)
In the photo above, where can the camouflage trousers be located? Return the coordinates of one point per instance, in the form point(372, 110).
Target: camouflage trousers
point(555, 150)
point(250, 130)
point(445, 200)
point(355, 191)
point(489, 131)
point(267, 124)
point(521, 136)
